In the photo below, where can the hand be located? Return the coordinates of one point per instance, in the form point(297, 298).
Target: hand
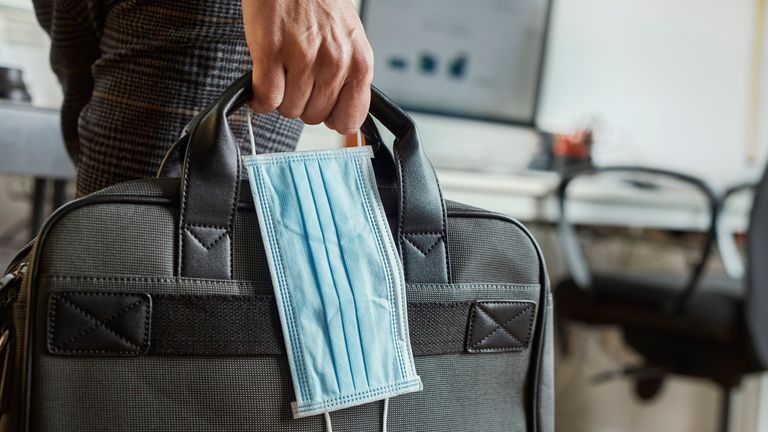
point(311, 60)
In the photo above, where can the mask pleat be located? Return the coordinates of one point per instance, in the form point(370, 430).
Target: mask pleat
point(330, 306)
point(349, 299)
point(368, 269)
point(308, 310)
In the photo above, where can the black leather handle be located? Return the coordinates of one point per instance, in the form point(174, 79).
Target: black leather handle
point(210, 180)
point(421, 231)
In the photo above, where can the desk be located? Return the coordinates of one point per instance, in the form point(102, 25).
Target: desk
point(531, 197)
point(33, 146)
point(32, 143)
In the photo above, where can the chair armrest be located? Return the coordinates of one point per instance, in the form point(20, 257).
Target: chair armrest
point(726, 243)
point(575, 260)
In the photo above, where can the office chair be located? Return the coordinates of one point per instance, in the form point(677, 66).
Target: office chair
point(730, 253)
point(698, 326)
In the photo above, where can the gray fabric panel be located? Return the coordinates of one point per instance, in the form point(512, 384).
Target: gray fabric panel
point(489, 250)
point(112, 239)
point(462, 392)
point(250, 259)
point(155, 187)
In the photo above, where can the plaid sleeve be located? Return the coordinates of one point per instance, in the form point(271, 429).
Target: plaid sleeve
point(135, 72)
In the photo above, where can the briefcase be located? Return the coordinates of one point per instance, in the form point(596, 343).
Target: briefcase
point(148, 306)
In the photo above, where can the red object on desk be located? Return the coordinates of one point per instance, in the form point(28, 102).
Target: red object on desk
point(577, 145)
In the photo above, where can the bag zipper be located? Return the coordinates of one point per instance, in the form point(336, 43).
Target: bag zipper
point(10, 285)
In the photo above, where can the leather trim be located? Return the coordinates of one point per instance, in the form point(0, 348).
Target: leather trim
point(99, 323)
point(500, 326)
point(210, 188)
point(422, 208)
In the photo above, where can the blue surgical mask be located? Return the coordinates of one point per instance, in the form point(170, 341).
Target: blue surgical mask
point(337, 278)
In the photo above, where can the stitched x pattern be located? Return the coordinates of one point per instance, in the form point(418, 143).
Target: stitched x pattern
point(500, 326)
point(98, 323)
point(424, 243)
point(206, 237)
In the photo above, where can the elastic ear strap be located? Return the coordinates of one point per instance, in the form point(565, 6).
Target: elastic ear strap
point(250, 130)
point(385, 415)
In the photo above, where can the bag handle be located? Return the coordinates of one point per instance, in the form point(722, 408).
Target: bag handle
point(210, 181)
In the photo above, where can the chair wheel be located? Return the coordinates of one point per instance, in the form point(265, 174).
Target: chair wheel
point(647, 388)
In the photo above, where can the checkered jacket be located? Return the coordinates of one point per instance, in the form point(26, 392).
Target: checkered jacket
point(135, 71)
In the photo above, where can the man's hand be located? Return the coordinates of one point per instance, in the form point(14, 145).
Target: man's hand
point(311, 60)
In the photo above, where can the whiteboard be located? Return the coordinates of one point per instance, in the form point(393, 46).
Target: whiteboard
point(477, 59)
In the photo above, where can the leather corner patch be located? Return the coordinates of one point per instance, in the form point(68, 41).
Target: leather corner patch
point(99, 323)
point(500, 326)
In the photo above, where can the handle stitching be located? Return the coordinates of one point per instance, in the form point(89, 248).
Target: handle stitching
point(203, 244)
point(401, 234)
point(423, 252)
point(444, 232)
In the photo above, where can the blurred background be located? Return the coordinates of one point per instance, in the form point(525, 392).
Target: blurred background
point(630, 135)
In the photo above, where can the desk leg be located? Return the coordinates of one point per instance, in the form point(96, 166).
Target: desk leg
point(38, 205)
point(59, 193)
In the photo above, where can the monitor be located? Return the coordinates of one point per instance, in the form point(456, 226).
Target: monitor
point(478, 59)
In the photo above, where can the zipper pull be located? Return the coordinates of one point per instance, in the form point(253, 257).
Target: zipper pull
point(16, 274)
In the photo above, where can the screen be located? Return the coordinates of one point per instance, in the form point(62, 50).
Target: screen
point(478, 59)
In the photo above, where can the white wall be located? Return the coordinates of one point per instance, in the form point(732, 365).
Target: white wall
point(667, 81)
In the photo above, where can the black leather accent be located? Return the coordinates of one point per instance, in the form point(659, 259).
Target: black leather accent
point(383, 161)
point(209, 188)
point(422, 209)
point(211, 171)
point(499, 326)
point(98, 323)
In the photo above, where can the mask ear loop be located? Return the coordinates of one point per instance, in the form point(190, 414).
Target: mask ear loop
point(385, 415)
point(359, 138)
point(251, 137)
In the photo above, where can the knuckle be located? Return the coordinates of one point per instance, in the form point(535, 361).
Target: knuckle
point(289, 112)
point(266, 101)
point(304, 55)
point(312, 119)
point(362, 66)
point(335, 59)
point(336, 65)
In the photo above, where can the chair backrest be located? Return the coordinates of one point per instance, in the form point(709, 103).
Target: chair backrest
point(756, 307)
